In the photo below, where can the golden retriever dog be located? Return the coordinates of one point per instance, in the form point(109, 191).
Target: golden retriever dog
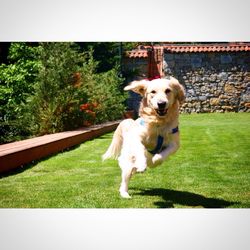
point(150, 139)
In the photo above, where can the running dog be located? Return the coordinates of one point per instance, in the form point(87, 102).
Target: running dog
point(150, 139)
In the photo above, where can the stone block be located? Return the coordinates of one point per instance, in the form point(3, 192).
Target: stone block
point(229, 88)
point(219, 111)
point(227, 108)
point(191, 92)
point(245, 97)
point(223, 97)
point(213, 78)
point(214, 101)
point(221, 84)
point(223, 76)
point(202, 98)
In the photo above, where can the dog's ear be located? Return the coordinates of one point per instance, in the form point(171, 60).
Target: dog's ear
point(138, 87)
point(179, 90)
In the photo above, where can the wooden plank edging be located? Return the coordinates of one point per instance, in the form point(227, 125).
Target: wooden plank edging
point(16, 154)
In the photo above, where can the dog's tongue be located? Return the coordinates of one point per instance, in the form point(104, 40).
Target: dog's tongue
point(162, 112)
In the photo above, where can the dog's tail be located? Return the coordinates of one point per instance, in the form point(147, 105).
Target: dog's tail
point(115, 146)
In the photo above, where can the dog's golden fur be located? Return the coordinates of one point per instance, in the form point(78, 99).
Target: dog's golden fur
point(134, 139)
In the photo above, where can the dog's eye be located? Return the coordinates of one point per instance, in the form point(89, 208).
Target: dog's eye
point(167, 91)
point(153, 92)
point(141, 90)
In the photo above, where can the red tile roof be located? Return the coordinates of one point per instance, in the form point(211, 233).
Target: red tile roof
point(142, 51)
point(207, 48)
point(138, 53)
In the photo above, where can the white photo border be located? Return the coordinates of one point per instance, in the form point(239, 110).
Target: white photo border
point(130, 20)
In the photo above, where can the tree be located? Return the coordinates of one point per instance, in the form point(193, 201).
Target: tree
point(58, 91)
point(52, 87)
point(69, 93)
point(16, 83)
point(107, 54)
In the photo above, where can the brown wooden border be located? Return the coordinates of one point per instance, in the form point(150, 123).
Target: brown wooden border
point(16, 154)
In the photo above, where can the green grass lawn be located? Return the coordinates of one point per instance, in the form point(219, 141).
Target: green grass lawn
point(211, 170)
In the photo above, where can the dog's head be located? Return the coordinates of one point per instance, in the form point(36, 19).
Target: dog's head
point(159, 94)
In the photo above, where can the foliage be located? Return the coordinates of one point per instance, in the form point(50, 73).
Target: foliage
point(110, 97)
point(130, 45)
point(45, 86)
point(105, 93)
point(66, 82)
point(210, 170)
point(108, 54)
point(58, 93)
point(16, 83)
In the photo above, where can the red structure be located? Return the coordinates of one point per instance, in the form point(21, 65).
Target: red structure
point(155, 62)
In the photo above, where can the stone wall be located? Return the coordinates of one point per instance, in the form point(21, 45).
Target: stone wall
point(214, 81)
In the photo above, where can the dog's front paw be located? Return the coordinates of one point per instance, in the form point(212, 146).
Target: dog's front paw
point(157, 159)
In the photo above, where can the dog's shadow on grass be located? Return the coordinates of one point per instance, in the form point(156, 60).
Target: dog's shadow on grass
point(171, 197)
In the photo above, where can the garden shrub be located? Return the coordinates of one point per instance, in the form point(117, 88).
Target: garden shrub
point(16, 83)
point(108, 96)
point(58, 94)
point(53, 87)
point(62, 103)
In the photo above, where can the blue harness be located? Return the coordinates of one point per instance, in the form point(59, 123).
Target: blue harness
point(160, 139)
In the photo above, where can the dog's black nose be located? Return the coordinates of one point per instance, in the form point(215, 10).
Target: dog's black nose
point(161, 105)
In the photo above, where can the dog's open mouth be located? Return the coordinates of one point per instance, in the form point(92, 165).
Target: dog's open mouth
point(161, 112)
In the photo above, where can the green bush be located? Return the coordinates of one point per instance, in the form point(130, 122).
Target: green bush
point(105, 100)
point(53, 87)
point(16, 83)
point(57, 98)
point(60, 103)
point(108, 96)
